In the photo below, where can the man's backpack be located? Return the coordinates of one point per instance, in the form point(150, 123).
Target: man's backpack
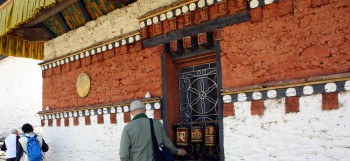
point(34, 149)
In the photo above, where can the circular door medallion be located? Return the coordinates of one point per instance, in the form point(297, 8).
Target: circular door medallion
point(83, 84)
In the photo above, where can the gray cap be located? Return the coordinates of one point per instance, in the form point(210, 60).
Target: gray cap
point(13, 131)
point(137, 104)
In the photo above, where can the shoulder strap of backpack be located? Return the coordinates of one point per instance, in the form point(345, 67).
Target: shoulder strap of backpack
point(154, 139)
point(25, 136)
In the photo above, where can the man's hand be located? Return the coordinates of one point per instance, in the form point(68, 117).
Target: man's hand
point(181, 152)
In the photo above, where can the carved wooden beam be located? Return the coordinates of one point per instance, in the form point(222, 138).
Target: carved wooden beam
point(33, 34)
point(124, 2)
point(49, 12)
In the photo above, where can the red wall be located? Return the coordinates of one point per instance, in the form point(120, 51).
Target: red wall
point(124, 73)
point(285, 40)
point(315, 40)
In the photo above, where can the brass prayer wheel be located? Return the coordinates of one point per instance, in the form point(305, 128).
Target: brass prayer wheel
point(210, 136)
point(196, 134)
point(182, 136)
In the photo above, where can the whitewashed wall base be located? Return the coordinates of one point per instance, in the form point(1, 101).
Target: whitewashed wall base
point(311, 134)
point(95, 142)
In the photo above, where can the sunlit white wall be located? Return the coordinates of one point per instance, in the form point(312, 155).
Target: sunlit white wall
point(20, 93)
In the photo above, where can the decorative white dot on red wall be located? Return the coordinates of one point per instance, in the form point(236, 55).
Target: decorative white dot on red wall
point(82, 55)
point(116, 44)
point(162, 17)
point(98, 50)
point(259, 3)
point(254, 3)
point(178, 12)
point(131, 39)
point(142, 24)
point(242, 97)
point(290, 92)
point(227, 99)
point(272, 93)
point(99, 111)
point(268, 1)
point(192, 6)
point(92, 112)
point(257, 95)
point(123, 42)
point(119, 109)
point(210, 2)
point(126, 109)
point(104, 48)
point(347, 85)
point(105, 111)
point(184, 9)
point(330, 87)
point(169, 14)
point(307, 90)
point(201, 3)
point(71, 58)
point(113, 110)
point(137, 37)
point(149, 22)
point(155, 20)
point(157, 105)
point(148, 106)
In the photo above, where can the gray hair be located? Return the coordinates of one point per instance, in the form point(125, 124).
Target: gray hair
point(13, 131)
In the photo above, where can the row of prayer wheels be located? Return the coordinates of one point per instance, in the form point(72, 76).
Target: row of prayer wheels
point(209, 137)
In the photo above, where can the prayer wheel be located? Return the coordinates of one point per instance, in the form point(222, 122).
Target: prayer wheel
point(182, 136)
point(196, 134)
point(210, 135)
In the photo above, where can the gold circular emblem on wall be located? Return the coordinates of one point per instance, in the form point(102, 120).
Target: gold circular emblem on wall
point(83, 84)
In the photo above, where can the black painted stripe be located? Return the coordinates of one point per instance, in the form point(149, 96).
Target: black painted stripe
point(281, 92)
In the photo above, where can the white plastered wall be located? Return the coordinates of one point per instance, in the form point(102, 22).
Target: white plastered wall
point(116, 23)
point(311, 134)
point(20, 93)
